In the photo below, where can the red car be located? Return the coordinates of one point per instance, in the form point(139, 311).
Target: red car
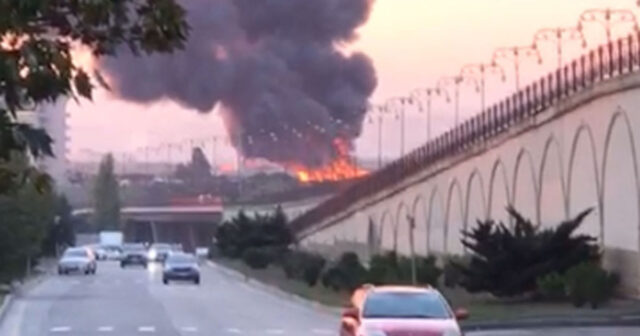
point(400, 311)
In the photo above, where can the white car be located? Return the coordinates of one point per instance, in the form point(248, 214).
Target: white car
point(77, 259)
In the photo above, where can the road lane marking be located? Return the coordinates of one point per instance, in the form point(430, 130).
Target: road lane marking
point(234, 331)
point(147, 329)
point(275, 331)
point(105, 329)
point(322, 331)
point(190, 329)
point(60, 329)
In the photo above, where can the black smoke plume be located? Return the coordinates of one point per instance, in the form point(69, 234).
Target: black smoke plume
point(286, 87)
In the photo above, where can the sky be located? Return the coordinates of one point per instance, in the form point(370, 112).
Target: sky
point(413, 44)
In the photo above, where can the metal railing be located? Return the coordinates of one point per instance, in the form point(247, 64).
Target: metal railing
point(607, 61)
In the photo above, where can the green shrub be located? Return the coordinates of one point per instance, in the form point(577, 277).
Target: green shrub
point(551, 287)
point(507, 260)
point(389, 268)
point(303, 266)
point(589, 283)
point(346, 274)
point(452, 271)
point(427, 272)
point(312, 269)
point(257, 258)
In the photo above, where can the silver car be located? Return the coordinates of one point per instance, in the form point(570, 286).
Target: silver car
point(77, 259)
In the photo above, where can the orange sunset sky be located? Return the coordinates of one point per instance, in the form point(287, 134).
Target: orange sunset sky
point(412, 43)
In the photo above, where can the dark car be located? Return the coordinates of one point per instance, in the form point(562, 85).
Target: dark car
point(181, 266)
point(134, 254)
point(159, 252)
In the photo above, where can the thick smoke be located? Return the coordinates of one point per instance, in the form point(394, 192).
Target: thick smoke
point(286, 88)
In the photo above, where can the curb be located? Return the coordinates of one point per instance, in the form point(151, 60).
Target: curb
point(6, 305)
point(24, 286)
point(274, 290)
point(628, 320)
point(542, 323)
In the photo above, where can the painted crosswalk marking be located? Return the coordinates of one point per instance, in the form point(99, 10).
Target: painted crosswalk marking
point(60, 329)
point(147, 329)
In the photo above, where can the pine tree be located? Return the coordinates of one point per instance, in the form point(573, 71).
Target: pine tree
point(106, 197)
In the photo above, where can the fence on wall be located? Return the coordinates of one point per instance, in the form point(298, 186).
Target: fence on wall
point(608, 61)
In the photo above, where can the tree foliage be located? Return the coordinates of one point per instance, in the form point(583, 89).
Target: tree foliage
point(198, 170)
point(37, 65)
point(106, 197)
point(506, 261)
point(236, 236)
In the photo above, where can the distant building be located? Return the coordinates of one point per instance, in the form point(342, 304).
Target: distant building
point(53, 118)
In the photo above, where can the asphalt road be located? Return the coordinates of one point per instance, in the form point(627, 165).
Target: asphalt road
point(134, 301)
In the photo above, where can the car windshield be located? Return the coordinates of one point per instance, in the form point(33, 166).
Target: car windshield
point(161, 247)
point(405, 305)
point(134, 248)
point(76, 253)
point(181, 259)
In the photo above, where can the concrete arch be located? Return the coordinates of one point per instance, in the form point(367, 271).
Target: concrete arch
point(386, 229)
point(475, 175)
point(524, 154)
point(373, 241)
point(402, 230)
point(420, 232)
point(498, 165)
point(435, 223)
point(551, 143)
point(451, 235)
point(592, 225)
point(620, 115)
point(620, 215)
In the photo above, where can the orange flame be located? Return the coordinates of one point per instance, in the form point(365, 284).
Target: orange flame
point(341, 168)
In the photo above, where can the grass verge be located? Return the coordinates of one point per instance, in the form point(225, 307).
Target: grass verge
point(274, 276)
point(481, 307)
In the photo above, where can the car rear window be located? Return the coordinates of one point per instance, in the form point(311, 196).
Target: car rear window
point(405, 305)
point(76, 253)
point(181, 259)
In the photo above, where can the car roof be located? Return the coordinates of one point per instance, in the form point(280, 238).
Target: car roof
point(400, 289)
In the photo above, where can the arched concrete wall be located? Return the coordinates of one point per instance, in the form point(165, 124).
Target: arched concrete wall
point(581, 153)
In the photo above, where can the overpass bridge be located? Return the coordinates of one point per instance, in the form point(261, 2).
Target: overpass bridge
point(564, 143)
point(191, 226)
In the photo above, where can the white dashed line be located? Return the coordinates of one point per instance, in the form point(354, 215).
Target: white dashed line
point(322, 331)
point(60, 329)
point(275, 331)
point(105, 329)
point(147, 329)
point(190, 329)
point(234, 331)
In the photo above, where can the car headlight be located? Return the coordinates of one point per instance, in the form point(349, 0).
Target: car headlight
point(452, 332)
point(374, 332)
point(153, 254)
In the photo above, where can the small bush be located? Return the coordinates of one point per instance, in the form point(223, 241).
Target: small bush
point(303, 265)
point(312, 269)
point(551, 287)
point(257, 258)
point(589, 283)
point(427, 272)
point(452, 271)
point(347, 274)
point(390, 268)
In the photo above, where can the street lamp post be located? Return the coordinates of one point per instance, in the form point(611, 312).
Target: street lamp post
point(481, 70)
point(379, 110)
point(428, 93)
point(412, 226)
point(558, 36)
point(456, 81)
point(399, 103)
point(609, 18)
point(516, 54)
